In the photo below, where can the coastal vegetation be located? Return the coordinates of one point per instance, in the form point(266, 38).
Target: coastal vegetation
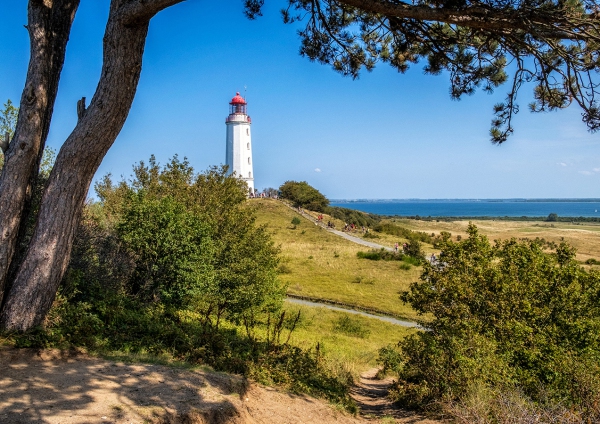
point(177, 266)
point(172, 265)
point(516, 322)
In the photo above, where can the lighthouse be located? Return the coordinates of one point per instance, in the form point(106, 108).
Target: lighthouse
point(239, 144)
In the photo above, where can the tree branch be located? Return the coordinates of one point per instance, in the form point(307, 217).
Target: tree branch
point(482, 17)
point(140, 11)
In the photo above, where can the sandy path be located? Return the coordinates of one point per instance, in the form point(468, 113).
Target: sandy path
point(370, 394)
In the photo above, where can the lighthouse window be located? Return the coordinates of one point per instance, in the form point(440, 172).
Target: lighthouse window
point(248, 161)
point(249, 174)
point(248, 133)
point(248, 145)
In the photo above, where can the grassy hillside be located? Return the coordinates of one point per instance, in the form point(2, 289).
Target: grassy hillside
point(319, 264)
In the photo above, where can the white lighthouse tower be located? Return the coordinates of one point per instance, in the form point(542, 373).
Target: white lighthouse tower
point(239, 144)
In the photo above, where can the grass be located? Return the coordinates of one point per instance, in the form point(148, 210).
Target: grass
point(348, 339)
point(319, 264)
point(585, 237)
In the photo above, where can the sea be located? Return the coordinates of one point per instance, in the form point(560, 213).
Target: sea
point(476, 207)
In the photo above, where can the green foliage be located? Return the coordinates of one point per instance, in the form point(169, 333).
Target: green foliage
point(592, 261)
point(196, 244)
point(396, 230)
point(351, 327)
point(351, 216)
point(171, 264)
point(413, 249)
point(556, 49)
point(552, 217)
point(381, 254)
point(172, 248)
point(8, 123)
point(301, 194)
point(8, 119)
point(295, 221)
point(518, 314)
point(305, 371)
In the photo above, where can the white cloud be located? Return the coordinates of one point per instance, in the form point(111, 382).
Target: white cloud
point(561, 164)
point(317, 169)
point(586, 172)
point(596, 169)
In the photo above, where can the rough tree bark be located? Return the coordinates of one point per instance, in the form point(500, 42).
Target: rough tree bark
point(35, 284)
point(49, 25)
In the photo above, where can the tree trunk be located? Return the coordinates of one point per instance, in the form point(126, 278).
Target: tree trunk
point(49, 25)
point(37, 280)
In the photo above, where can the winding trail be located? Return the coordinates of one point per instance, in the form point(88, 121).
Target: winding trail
point(339, 233)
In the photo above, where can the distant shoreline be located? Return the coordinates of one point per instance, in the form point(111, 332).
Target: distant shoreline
point(582, 210)
point(508, 200)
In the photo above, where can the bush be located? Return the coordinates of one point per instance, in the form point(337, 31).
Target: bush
point(352, 216)
point(381, 254)
point(592, 261)
point(162, 261)
point(350, 327)
point(301, 194)
point(396, 230)
point(511, 315)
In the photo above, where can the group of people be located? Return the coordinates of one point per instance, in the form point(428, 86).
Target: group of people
point(404, 247)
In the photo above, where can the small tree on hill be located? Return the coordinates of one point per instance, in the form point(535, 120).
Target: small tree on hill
point(303, 195)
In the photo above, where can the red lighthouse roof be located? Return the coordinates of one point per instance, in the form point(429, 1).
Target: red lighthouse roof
point(237, 100)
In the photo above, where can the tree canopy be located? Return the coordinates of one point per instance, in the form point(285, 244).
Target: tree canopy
point(483, 44)
point(302, 194)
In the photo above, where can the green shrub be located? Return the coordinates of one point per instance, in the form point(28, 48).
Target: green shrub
point(411, 260)
point(352, 216)
point(592, 261)
point(301, 194)
point(405, 267)
point(381, 254)
point(396, 230)
point(350, 327)
point(296, 221)
point(509, 315)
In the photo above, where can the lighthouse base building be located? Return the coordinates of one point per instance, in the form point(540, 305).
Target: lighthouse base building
point(239, 142)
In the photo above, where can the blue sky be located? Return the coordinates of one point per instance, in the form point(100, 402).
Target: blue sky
point(385, 135)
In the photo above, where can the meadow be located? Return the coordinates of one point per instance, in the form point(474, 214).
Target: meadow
point(585, 237)
point(318, 264)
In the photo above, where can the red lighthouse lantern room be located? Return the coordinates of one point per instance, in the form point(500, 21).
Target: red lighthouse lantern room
point(237, 105)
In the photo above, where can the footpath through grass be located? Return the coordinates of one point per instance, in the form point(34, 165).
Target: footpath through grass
point(319, 264)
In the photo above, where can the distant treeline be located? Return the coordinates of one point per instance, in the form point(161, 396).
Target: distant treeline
point(497, 218)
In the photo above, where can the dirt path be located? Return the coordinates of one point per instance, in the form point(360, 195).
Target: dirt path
point(59, 387)
point(370, 394)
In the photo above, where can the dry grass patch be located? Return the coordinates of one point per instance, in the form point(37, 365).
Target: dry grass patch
point(585, 237)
